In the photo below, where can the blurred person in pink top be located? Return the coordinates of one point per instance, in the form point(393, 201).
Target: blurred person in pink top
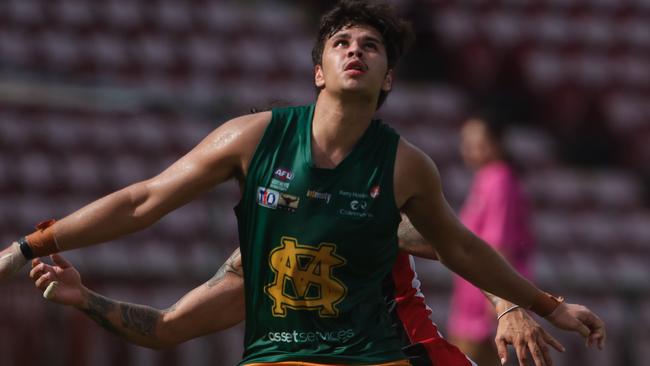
point(496, 210)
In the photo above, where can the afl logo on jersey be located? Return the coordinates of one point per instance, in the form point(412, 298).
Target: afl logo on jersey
point(267, 197)
point(283, 174)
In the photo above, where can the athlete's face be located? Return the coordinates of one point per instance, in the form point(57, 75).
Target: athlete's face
point(477, 148)
point(354, 61)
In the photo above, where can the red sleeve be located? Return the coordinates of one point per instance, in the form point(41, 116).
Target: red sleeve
point(414, 314)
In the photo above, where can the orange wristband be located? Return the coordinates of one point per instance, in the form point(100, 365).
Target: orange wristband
point(42, 240)
point(545, 304)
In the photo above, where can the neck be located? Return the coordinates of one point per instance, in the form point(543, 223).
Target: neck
point(337, 126)
point(490, 161)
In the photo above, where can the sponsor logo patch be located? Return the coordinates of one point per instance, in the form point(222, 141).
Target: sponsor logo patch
point(357, 195)
point(338, 336)
point(267, 197)
point(358, 205)
point(357, 208)
point(324, 196)
point(374, 191)
point(288, 202)
point(279, 185)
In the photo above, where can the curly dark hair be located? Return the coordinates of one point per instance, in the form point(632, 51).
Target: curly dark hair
point(397, 33)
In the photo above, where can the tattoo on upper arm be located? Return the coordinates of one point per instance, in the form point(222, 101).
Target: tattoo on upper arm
point(172, 308)
point(233, 265)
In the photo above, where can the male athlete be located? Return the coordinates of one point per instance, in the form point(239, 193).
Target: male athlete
point(322, 190)
point(219, 304)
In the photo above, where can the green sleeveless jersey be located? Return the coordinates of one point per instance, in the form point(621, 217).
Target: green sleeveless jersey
point(316, 245)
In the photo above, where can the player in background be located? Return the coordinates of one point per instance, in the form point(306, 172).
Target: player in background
point(496, 210)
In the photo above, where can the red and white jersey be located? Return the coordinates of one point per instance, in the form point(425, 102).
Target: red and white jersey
point(422, 342)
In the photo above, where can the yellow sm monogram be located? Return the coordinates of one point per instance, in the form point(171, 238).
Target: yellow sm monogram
point(303, 278)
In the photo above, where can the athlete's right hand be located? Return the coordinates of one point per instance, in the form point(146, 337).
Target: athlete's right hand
point(11, 261)
point(520, 330)
point(65, 279)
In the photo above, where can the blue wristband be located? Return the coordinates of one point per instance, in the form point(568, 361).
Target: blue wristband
point(25, 248)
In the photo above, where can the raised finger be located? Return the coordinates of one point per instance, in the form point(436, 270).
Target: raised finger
point(522, 352)
point(42, 282)
point(601, 342)
point(36, 271)
point(60, 261)
point(502, 350)
point(597, 327)
point(42, 269)
point(601, 339)
point(582, 329)
point(598, 337)
point(537, 353)
point(549, 339)
point(543, 346)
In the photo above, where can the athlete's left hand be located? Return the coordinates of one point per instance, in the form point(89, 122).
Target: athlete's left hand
point(520, 330)
point(578, 318)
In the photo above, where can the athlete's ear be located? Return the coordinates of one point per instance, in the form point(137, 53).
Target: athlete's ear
point(319, 78)
point(388, 81)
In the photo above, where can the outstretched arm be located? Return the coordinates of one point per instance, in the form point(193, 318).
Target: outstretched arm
point(418, 193)
point(222, 155)
point(216, 305)
point(515, 325)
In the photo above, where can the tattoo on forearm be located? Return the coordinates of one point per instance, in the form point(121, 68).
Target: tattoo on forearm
point(98, 309)
point(134, 318)
point(139, 319)
point(232, 265)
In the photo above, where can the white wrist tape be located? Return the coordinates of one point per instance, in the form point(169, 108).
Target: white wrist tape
point(12, 262)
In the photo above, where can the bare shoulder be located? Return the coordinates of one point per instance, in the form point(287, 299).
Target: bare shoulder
point(236, 139)
point(410, 156)
point(413, 170)
point(244, 130)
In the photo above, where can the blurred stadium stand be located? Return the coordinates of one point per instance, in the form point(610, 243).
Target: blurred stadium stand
point(95, 95)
